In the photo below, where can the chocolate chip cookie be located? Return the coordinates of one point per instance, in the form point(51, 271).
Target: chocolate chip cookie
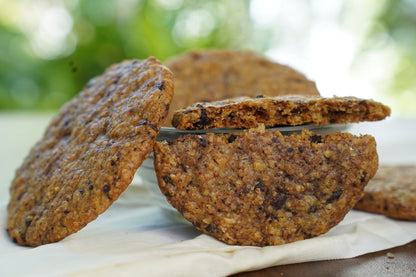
point(219, 74)
point(89, 152)
point(391, 192)
point(261, 188)
point(247, 112)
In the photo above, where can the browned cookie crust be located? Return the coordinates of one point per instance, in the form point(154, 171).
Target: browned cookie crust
point(220, 74)
point(246, 112)
point(391, 192)
point(261, 188)
point(89, 153)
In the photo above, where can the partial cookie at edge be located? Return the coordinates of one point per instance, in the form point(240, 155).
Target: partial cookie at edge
point(392, 192)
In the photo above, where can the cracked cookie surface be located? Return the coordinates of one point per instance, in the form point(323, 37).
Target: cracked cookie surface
point(261, 188)
point(89, 152)
point(247, 112)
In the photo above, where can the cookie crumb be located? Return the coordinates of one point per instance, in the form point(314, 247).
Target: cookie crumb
point(390, 255)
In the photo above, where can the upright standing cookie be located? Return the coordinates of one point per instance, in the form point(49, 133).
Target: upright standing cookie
point(247, 112)
point(89, 152)
point(391, 192)
point(261, 188)
point(220, 74)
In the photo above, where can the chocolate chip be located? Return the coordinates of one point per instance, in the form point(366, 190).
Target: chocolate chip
point(106, 188)
point(113, 163)
point(315, 139)
point(279, 201)
point(288, 177)
point(302, 149)
point(312, 209)
point(232, 138)
point(295, 110)
point(161, 85)
point(334, 197)
point(364, 178)
point(290, 150)
point(28, 222)
point(211, 228)
point(183, 167)
point(81, 191)
point(167, 180)
point(260, 96)
point(260, 111)
point(259, 185)
point(204, 120)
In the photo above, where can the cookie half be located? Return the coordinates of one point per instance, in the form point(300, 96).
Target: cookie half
point(262, 188)
point(247, 112)
point(391, 192)
point(219, 74)
point(89, 152)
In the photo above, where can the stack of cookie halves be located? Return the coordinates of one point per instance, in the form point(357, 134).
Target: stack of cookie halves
point(252, 185)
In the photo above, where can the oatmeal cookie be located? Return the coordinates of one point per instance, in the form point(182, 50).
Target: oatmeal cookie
point(391, 192)
point(261, 188)
point(89, 153)
point(247, 112)
point(219, 74)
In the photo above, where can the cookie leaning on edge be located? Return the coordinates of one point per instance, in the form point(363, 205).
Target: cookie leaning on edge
point(247, 112)
point(262, 188)
point(89, 152)
point(219, 74)
point(391, 192)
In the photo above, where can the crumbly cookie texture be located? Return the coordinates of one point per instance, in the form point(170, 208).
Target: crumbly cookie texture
point(262, 188)
point(219, 74)
point(89, 152)
point(391, 192)
point(248, 112)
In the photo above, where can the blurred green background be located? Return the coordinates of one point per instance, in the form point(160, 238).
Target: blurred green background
point(50, 49)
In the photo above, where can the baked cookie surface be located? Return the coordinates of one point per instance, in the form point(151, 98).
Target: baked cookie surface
point(219, 74)
point(262, 188)
point(89, 153)
point(248, 112)
point(391, 192)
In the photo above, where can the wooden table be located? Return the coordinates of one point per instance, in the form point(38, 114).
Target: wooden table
point(398, 261)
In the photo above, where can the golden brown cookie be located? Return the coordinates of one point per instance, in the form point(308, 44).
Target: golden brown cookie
point(391, 192)
point(219, 74)
point(262, 188)
point(247, 112)
point(89, 152)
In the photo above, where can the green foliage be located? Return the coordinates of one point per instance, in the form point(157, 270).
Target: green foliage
point(106, 32)
point(396, 25)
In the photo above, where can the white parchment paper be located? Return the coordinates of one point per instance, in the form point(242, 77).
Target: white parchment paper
point(136, 237)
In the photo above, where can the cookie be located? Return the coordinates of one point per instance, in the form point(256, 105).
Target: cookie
point(247, 112)
point(391, 192)
point(219, 74)
point(261, 188)
point(89, 153)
